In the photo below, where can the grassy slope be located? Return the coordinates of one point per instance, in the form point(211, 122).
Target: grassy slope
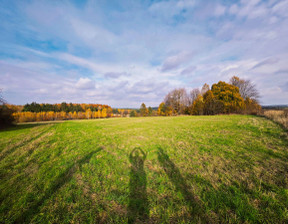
point(197, 169)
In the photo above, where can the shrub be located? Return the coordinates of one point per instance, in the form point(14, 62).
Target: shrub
point(6, 117)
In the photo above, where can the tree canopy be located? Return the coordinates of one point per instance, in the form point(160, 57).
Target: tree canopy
point(228, 95)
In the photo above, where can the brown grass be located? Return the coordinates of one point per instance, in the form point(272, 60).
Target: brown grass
point(279, 116)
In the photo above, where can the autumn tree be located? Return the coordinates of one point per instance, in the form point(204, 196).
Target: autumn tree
point(133, 113)
point(160, 111)
point(150, 111)
point(88, 113)
point(229, 96)
point(51, 115)
point(164, 110)
point(109, 111)
point(208, 99)
point(104, 112)
point(252, 106)
point(211, 104)
point(143, 110)
point(198, 105)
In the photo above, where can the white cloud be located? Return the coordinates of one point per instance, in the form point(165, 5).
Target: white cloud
point(88, 63)
point(175, 61)
point(85, 83)
point(189, 70)
point(281, 8)
point(114, 75)
point(92, 34)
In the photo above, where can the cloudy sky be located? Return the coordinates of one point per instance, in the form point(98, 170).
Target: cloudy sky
point(123, 53)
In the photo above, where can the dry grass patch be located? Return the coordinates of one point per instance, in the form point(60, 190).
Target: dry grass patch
point(279, 116)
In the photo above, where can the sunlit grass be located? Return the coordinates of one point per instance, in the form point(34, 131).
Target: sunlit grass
point(186, 169)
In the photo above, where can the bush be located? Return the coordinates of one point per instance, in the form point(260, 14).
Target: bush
point(6, 117)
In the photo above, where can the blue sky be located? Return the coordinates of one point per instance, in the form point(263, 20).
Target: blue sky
point(123, 53)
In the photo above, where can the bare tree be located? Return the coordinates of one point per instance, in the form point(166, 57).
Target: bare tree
point(177, 99)
point(194, 93)
point(205, 88)
point(246, 88)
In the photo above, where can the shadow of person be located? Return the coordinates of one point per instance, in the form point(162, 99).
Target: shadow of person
point(181, 185)
point(138, 208)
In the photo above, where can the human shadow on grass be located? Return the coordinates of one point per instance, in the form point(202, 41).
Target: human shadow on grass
point(138, 208)
point(180, 184)
point(61, 180)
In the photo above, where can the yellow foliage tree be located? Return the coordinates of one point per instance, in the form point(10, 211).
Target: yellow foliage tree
point(230, 97)
point(164, 110)
point(88, 113)
point(198, 105)
point(104, 113)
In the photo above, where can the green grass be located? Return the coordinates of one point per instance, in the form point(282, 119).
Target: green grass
point(196, 169)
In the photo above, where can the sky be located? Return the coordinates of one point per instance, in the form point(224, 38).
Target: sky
point(123, 53)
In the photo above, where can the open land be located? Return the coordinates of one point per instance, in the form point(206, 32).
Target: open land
point(186, 169)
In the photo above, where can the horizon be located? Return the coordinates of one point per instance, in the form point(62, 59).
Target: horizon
point(137, 108)
point(125, 53)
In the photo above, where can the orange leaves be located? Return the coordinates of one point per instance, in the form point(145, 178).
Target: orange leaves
point(51, 115)
point(24, 116)
point(49, 112)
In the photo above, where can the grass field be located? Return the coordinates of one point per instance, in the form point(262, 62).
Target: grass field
point(190, 169)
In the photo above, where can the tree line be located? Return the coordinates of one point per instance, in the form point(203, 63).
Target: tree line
point(49, 112)
point(237, 96)
point(52, 116)
point(66, 107)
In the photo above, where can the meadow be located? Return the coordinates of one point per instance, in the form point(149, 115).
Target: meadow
point(185, 169)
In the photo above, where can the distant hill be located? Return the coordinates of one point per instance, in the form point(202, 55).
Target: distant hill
point(275, 107)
